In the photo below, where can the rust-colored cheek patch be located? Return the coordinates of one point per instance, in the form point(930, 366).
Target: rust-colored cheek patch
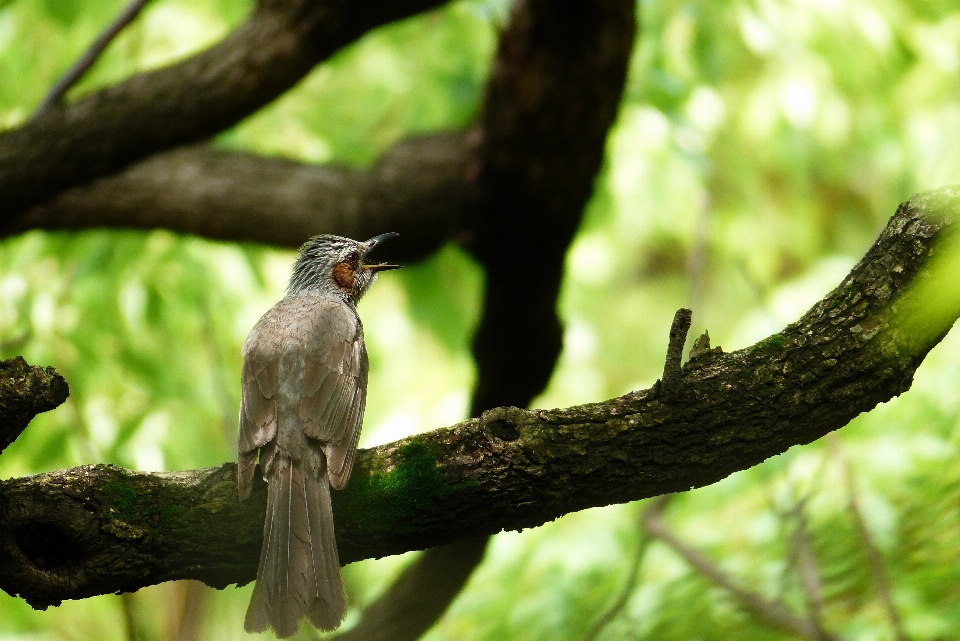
point(344, 276)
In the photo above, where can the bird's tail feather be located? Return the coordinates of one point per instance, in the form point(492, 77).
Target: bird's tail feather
point(299, 574)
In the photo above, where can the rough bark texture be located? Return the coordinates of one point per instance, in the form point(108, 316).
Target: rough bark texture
point(418, 188)
point(100, 529)
point(678, 338)
point(183, 103)
point(26, 391)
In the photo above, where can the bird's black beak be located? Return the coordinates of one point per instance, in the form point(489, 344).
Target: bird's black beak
point(373, 242)
point(376, 240)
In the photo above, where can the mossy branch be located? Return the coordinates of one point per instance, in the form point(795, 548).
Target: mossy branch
point(100, 529)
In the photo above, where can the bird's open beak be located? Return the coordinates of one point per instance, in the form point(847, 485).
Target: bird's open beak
point(373, 242)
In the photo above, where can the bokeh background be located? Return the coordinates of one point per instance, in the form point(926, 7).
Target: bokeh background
point(760, 148)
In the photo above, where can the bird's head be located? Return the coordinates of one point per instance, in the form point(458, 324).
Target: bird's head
point(337, 265)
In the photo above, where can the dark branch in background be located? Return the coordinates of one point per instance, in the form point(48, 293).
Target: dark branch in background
point(188, 610)
point(415, 601)
point(772, 612)
point(100, 529)
point(419, 187)
point(874, 557)
point(26, 391)
point(809, 572)
point(89, 57)
point(626, 592)
point(131, 617)
point(183, 103)
point(552, 97)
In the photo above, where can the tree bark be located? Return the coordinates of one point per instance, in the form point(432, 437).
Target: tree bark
point(100, 529)
point(25, 392)
point(183, 103)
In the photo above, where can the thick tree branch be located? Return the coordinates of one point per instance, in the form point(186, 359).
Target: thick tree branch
point(98, 529)
point(554, 92)
point(183, 103)
point(25, 392)
point(419, 188)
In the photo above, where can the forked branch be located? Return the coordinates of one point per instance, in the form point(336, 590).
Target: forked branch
point(186, 102)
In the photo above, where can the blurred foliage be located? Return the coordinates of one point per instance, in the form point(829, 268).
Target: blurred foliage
point(761, 146)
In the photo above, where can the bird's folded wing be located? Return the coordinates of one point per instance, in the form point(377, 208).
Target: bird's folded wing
point(335, 387)
point(258, 405)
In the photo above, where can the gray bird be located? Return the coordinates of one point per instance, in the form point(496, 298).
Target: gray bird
point(304, 389)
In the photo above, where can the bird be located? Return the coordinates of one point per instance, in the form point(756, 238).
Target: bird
point(303, 392)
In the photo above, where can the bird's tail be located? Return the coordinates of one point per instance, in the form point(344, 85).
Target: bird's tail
point(299, 574)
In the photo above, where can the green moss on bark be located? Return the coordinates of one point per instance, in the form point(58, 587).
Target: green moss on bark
point(386, 500)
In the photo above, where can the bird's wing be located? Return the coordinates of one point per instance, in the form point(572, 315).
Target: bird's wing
point(340, 454)
point(334, 386)
point(258, 405)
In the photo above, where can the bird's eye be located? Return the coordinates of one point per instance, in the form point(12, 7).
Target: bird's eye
point(353, 258)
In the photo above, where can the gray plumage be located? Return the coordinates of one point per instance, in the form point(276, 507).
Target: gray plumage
point(304, 385)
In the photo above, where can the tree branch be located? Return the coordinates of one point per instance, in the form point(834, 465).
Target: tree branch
point(678, 337)
point(615, 608)
point(183, 103)
point(25, 392)
point(874, 557)
point(414, 602)
point(419, 187)
point(89, 57)
point(99, 529)
point(802, 543)
point(773, 612)
point(553, 94)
